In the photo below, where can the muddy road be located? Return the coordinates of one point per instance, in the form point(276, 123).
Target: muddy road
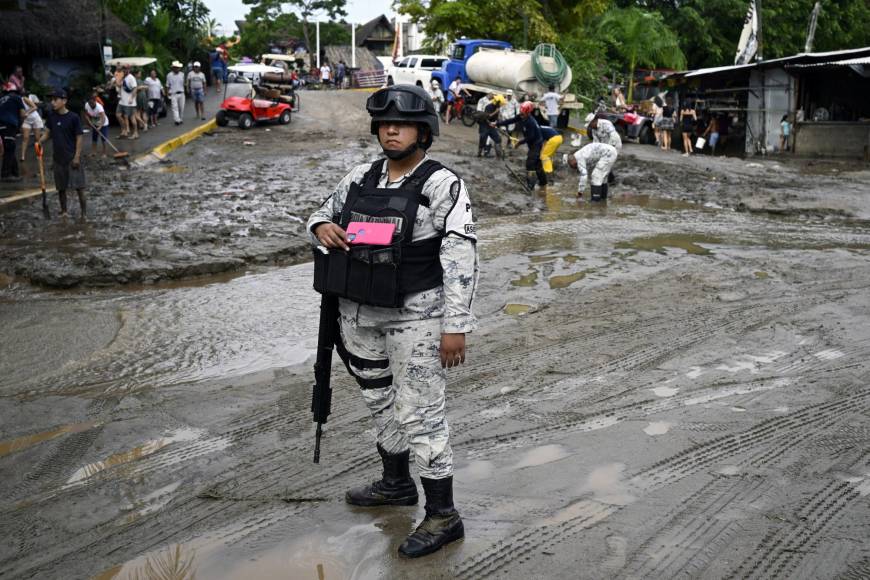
point(674, 385)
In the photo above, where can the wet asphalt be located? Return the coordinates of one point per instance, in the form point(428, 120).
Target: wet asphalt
point(671, 385)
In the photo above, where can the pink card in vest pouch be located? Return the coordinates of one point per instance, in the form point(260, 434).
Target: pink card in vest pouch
point(376, 234)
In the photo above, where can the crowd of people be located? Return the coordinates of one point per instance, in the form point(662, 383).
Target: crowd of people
point(140, 100)
point(533, 122)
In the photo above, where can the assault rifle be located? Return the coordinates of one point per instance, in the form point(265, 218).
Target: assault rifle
point(321, 397)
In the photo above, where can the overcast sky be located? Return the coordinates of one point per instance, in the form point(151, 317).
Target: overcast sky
point(359, 11)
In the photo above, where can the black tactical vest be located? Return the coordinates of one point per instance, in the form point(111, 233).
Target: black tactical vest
point(382, 275)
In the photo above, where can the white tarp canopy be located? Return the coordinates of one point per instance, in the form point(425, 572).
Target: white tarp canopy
point(254, 69)
point(131, 60)
point(281, 57)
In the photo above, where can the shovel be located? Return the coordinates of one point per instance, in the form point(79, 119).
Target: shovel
point(519, 179)
point(39, 151)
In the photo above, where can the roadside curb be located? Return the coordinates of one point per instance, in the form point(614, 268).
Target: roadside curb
point(161, 151)
point(28, 193)
point(154, 156)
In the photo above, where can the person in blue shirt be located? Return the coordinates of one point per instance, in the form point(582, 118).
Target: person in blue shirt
point(534, 139)
point(65, 130)
point(12, 113)
point(785, 132)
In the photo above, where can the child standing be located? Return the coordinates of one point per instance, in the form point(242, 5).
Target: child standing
point(785, 133)
point(65, 131)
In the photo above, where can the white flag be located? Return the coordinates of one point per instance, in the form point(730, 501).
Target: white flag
point(748, 44)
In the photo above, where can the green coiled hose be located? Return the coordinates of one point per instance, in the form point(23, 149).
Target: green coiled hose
point(544, 77)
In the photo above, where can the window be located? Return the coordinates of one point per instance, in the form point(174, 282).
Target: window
point(432, 63)
point(403, 63)
point(412, 62)
point(458, 52)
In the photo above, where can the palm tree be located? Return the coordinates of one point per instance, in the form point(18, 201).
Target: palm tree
point(210, 26)
point(642, 39)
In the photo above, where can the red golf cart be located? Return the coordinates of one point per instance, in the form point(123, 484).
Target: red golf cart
point(245, 105)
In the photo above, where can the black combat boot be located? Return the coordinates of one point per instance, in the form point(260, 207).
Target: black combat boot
point(611, 177)
point(442, 523)
point(395, 488)
point(604, 192)
point(531, 180)
point(499, 152)
point(480, 151)
point(596, 193)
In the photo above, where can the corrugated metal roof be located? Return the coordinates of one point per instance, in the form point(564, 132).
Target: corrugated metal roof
point(865, 60)
point(804, 58)
point(714, 70)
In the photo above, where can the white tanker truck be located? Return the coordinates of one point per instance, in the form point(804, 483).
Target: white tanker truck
point(493, 65)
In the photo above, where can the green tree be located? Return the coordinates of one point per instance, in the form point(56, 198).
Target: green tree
point(708, 30)
point(167, 29)
point(640, 38)
point(272, 9)
point(520, 22)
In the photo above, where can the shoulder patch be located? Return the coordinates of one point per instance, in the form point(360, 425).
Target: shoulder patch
point(454, 191)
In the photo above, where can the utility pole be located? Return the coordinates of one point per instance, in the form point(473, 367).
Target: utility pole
point(811, 31)
point(759, 54)
point(759, 58)
point(318, 46)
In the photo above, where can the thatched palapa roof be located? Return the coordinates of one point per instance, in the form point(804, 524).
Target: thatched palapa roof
point(365, 59)
point(367, 29)
point(57, 28)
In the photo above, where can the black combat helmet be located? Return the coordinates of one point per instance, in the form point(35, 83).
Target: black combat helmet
point(403, 103)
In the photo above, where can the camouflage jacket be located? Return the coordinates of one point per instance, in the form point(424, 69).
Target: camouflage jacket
point(448, 216)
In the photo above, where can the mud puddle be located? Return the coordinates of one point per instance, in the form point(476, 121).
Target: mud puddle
point(327, 552)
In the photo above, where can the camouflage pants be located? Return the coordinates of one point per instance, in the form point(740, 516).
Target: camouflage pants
point(602, 168)
point(399, 369)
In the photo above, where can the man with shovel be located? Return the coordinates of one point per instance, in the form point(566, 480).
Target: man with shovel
point(99, 124)
point(65, 130)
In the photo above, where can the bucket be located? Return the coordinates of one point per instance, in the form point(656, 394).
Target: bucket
point(699, 144)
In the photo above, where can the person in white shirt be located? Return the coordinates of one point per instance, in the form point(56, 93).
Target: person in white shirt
point(552, 100)
point(437, 96)
point(32, 122)
point(127, 104)
point(454, 93)
point(175, 89)
point(98, 123)
point(509, 110)
point(325, 74)
point(196, 88)
point(155, 97)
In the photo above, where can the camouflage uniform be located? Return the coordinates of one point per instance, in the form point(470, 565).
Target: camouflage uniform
point(600, 157)
point(607, 133)
point(411, 411)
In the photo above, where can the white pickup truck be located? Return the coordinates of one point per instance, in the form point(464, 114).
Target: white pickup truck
point(415, 70)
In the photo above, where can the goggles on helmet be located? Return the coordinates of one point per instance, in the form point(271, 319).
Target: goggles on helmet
point(404, 101)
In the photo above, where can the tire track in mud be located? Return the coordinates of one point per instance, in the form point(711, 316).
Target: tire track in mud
point(777, 431)
point(696, 531)
point(191, 512)
point(782, 550)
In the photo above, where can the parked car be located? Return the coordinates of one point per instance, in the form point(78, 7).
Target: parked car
point(415, 70)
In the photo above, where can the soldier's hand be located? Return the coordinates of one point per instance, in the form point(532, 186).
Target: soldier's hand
point(331, 236)
point(452, 350)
